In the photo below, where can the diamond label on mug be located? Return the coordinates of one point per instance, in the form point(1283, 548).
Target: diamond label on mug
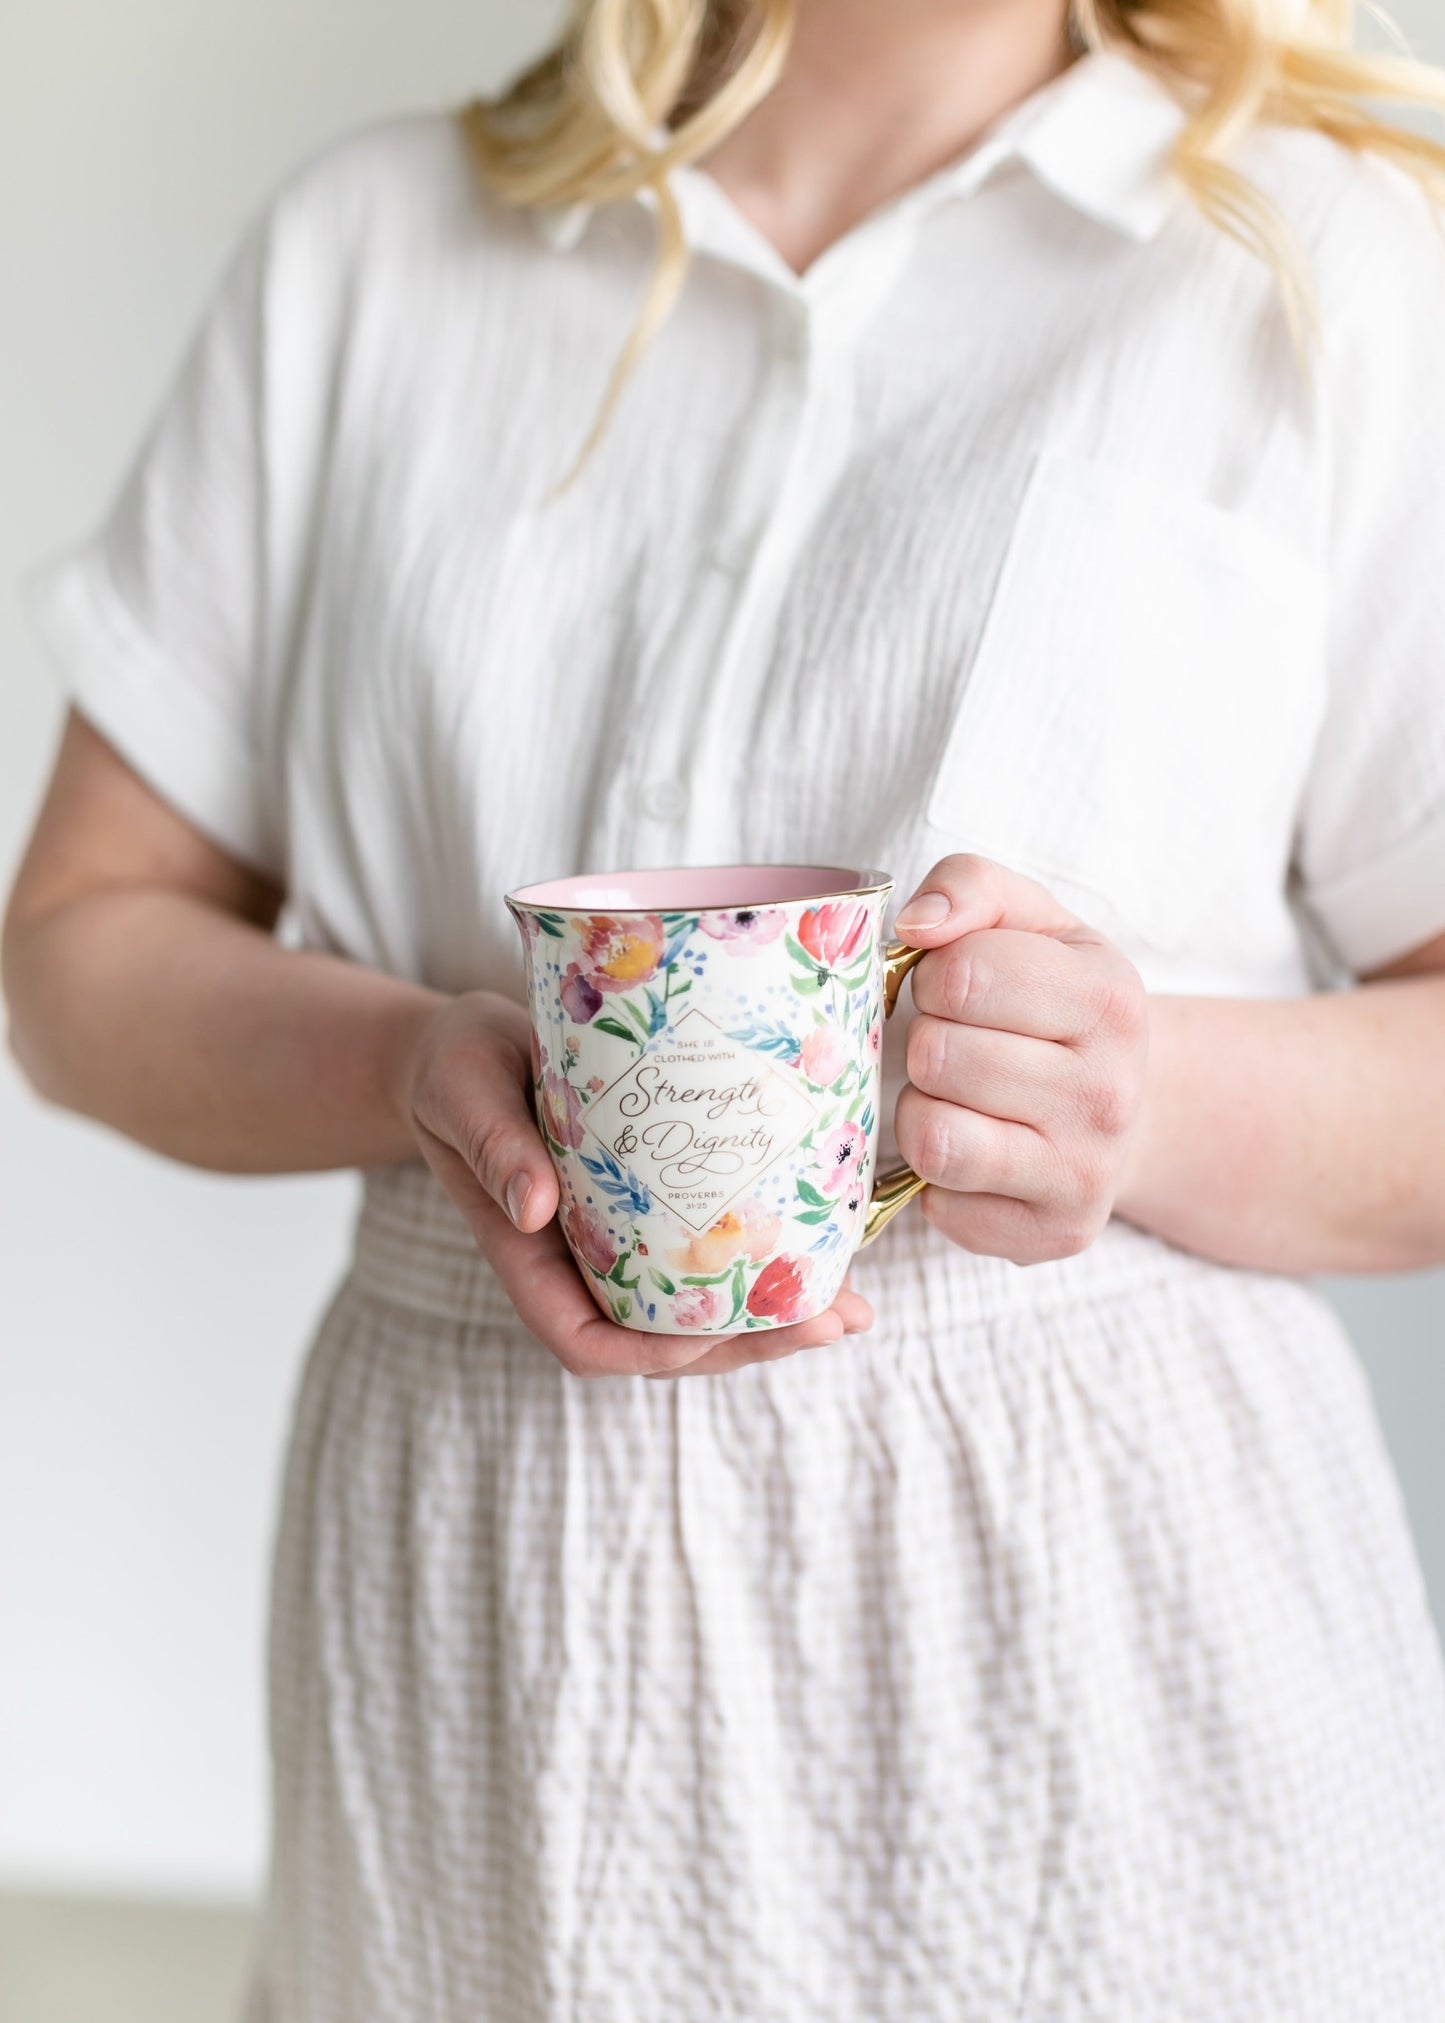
point(701, 1119)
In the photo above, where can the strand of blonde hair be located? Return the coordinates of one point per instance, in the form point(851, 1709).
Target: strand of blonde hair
point(636, 88)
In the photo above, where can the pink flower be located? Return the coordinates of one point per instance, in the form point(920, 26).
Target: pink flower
point(824, 1055)
point(780, 1290)
point(698, 1306)
point(596, 1084)
point(761, 1228)
point(621, 953)
point(561, 1110)
point(753, 927)
point(589, 1236)
point(834, 933)
point(581, 999)
point(875, 1038)
point(842, 1153)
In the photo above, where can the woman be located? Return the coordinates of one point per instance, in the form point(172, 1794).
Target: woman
point(975, 492)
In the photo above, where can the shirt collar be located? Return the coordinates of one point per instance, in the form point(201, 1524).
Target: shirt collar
point(1098, 135)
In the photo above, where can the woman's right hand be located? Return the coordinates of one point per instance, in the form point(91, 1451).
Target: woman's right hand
point(463, 1088)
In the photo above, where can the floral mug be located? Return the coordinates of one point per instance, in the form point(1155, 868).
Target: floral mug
point(706, 1047)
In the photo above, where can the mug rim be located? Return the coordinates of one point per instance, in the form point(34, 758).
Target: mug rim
point(864, 882)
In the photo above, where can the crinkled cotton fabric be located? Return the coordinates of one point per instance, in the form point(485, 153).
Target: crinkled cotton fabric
point(1057, 1651)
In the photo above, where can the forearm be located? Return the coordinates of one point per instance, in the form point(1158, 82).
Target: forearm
point(1299, 1135)
point(197, 1034)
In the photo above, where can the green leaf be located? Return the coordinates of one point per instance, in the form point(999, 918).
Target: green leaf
point(798, 952)
point(815, 1215)
point(616, 1028)
point(661, 1280)
point(716, 1279)
point(642, 1024)
point(739, 1292)
point(618, 1268)
point(630, 1283)
point(756, 1321)
point(807, 986)
point(810, 1193)
point(549, 927)
point(622, 1309)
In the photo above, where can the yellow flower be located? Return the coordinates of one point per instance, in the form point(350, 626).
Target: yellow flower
point(714, 1250)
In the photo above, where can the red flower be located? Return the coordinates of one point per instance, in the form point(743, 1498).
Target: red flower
point(834, 933)
point(780, 1290)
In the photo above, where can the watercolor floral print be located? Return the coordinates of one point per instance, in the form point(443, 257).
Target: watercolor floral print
point(707, 1086)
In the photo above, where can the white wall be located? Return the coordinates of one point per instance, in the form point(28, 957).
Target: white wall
point(151, 1319)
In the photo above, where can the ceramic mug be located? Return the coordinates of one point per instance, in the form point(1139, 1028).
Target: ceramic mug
point(707, 1058)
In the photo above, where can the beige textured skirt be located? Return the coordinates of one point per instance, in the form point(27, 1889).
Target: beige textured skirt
point(1058, 1651)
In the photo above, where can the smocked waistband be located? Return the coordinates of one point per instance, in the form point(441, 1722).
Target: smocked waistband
point(412, 1249)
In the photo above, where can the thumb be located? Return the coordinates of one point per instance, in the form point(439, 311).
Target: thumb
point(962, 894)
point(477, 1101)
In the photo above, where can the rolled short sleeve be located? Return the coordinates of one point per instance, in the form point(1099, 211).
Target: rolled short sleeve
point(158, 623)
point(1370, 851)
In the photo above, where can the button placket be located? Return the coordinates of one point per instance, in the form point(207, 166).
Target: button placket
point(804, 473)
point(664, 790)
point(708, 679)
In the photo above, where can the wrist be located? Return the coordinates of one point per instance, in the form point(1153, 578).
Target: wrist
point(1147, 1143)
point(402, 1042)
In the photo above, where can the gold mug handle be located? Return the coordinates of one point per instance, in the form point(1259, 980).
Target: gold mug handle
point(895, 1189)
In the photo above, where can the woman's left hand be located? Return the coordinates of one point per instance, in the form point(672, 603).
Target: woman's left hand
point(1025, 1063)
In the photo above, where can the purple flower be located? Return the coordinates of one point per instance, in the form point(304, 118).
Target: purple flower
point(581, 999)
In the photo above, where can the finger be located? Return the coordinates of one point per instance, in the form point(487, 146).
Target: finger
point(1000, 1074)
point(997, 1225)
point(1026, 983)
point(964, 893)
point(546, 1287)
point(967, 1152)
point(735, 1352)
point(475, 1099)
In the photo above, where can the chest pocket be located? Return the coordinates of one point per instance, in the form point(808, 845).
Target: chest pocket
point(1139, 713)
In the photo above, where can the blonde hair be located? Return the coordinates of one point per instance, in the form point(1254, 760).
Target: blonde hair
point(636, 88)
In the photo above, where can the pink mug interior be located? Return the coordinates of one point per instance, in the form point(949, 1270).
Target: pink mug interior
point(704, 888)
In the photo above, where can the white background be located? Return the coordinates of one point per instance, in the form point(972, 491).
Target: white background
point(152, 1319)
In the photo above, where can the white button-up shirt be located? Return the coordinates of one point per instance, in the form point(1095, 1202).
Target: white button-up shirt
point(1010, 526)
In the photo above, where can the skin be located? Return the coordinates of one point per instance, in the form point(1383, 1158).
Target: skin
point(145, 990)
point(874, 99)
point(1047, 1092)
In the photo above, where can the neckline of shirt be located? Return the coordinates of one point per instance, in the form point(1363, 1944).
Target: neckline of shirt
point(1097, 134)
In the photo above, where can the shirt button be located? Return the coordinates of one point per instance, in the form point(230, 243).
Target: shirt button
point(664, 800)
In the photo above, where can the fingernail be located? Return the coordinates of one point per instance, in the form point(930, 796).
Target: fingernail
point(518, 1188)
point(861, 1327)
point(925, 909)
point(836, 1332)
